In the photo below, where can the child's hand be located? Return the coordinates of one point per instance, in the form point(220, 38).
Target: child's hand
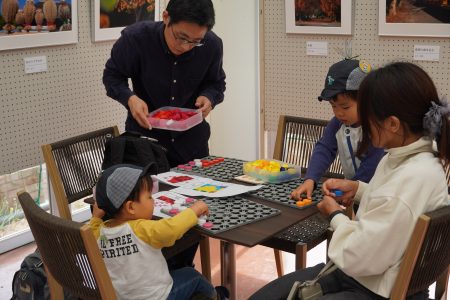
point(348, 188)
point(200, 208)
point(97, 212)
point(328, 205)
point(307, 187)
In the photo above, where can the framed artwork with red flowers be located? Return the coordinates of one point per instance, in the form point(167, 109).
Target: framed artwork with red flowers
point(36, 23)
point(319, 16)
point(426, 18)
point(111, 16)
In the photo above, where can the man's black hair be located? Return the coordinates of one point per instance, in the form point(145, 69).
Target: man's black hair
point(200, 12)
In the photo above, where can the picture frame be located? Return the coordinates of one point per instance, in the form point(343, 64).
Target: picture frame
point(109, 21)
point(308, 17)
point(37, 31)
point(162, 7)
point(398, 24)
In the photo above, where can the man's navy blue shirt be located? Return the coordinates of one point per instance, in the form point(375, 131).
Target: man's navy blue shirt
point(162, 79)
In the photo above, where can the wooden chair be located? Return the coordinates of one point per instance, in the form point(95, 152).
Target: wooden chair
point(447, 173)
point(73, 166)
point(70, 254)
point(427, 257)
point(295, 141)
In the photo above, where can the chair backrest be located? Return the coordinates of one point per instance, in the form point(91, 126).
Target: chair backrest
point(427, 256)
point(447, 173)
point(69, 252)
point(74, 164)
point(296, 138)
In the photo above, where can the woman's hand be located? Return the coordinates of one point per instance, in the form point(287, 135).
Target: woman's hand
point(347, 187)
point(328, 205)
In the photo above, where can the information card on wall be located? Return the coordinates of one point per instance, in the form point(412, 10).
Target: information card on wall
point(426, 52)
point(317, 48)
point(35, 64)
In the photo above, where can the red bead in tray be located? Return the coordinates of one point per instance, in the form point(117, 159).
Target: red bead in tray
point(174, 114)
point(175, 118)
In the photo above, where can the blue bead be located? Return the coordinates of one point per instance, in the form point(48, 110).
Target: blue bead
point(337, 192)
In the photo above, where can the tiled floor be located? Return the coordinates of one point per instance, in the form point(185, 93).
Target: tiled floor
point(9, 264)
point(255, 266)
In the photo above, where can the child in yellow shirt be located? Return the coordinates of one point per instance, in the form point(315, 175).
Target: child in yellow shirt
point(131, 243)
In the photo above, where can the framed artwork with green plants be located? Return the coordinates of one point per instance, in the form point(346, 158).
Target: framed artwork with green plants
point(112, 16)
point(36, 23)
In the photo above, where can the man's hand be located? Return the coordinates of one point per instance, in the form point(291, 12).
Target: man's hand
point(139, 111)
point(204, 104)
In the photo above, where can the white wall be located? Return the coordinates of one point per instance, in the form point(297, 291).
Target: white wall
point(69, 99)
point(234, 123)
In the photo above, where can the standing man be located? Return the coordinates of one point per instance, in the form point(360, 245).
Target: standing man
point(176, 62)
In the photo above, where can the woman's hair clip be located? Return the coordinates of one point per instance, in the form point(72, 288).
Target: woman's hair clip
point(432, 121)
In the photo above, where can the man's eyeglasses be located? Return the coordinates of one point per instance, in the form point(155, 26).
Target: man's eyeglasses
point(184, 41)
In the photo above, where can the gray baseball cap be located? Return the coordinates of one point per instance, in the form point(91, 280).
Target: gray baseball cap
point(116, 184)
point(343, 76)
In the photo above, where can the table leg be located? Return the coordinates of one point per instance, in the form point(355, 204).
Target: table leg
point(205, 257)
point(228, 267)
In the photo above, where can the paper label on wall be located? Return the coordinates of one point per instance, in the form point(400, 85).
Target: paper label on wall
point(426, 52)
point(317, 48)
point(35, 64)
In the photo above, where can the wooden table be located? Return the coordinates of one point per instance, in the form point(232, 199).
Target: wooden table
point(254, 234)
point(251, 235)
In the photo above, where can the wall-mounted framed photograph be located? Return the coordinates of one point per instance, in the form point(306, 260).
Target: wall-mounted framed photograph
point(162, 7)
point(427, 18)
point(37, 23)
point(112, 16)
point(319, 16)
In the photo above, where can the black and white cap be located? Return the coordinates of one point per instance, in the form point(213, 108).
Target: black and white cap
point(116, 184)
point(343, 76)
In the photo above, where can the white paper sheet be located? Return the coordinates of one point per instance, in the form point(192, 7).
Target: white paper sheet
point(178, 179)
point(191, 185)
point(161, 201)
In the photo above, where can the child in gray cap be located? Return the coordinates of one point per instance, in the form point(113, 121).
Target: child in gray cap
point(343, 133)
point(130, 242)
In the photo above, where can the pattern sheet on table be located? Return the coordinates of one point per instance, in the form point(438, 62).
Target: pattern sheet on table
point(306, 230)
point(222, 171)
point(281, 193)
point(278, 193)
point(230, 212)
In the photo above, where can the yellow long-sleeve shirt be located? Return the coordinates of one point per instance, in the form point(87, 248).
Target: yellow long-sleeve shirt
point(132, 253)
